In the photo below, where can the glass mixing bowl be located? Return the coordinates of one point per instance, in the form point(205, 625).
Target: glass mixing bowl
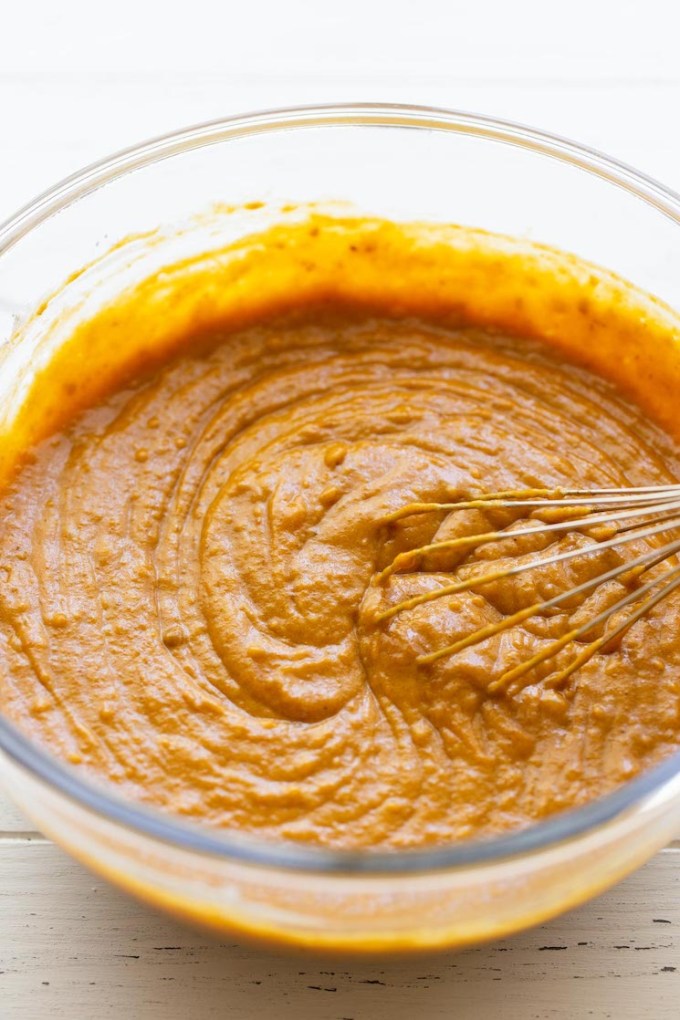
point(204, 187)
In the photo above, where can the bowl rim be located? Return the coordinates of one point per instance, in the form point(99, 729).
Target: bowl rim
point(234, 846)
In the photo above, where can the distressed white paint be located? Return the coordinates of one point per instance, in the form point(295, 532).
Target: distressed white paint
point(606, 74)
point(72, 947)
point(11, 819)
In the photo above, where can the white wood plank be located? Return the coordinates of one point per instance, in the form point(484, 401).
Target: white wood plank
point(73, 947)
point(11, 819)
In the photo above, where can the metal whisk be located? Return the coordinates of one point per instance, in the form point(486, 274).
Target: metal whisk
point(614, 517)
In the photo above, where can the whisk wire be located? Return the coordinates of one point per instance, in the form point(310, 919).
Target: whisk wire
point(641, 565)
point(485, 537)
point(558, 678)
point(545, 497)
point(497, 575)
point(637, 513)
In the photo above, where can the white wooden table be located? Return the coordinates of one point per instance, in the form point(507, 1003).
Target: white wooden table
point(71, 90)
point(73, 947)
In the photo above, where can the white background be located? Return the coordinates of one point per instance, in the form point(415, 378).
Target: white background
point(81, 79)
